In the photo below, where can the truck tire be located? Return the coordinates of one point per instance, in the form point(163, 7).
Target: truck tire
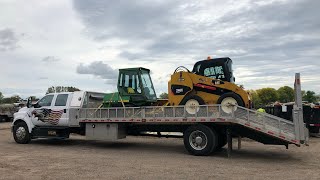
point(191, 103)
point(21, 133)
point(229, 98)
point(200, 140)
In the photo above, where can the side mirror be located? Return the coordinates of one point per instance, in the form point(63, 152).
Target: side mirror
point(29, 102)
point(36, 105)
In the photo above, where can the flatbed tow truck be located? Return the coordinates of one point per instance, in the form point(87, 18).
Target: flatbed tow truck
point(207, 129)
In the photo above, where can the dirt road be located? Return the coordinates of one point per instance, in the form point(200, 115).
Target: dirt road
point(150, 158)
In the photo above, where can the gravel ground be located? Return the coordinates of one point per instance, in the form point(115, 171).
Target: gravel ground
point(151, 158)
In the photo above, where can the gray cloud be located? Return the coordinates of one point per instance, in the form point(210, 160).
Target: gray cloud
point(257, 29)
point(50, 59)
point(8, 39)
point(43, 78)
point(270, 39)
point(99, 69)
point(289, 27)
point(130, 55)
point(125, 19)
point(23, 92)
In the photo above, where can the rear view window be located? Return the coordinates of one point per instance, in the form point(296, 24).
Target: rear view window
point(214, 72)
point(61, 100)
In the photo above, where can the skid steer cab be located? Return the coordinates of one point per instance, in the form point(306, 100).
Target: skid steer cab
point(210, 82)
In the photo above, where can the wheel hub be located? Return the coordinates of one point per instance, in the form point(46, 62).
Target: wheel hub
point(192, 106)
point(228, 105)
point(21, 133)
point(198, 140)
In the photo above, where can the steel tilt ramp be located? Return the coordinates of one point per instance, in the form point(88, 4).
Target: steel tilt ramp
point(264, 123)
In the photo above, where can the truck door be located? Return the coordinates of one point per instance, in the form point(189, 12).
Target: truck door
point(41, 110)
point(60, 110)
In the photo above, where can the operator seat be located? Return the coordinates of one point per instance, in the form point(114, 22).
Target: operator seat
point(130, 90)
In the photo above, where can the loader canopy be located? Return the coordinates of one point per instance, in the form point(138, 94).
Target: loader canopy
point(219, 68)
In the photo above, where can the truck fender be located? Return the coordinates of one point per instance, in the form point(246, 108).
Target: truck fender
point(25, 118)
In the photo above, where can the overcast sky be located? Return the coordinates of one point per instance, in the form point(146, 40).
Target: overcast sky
point(84, 43)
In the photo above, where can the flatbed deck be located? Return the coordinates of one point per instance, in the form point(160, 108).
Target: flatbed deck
point(264, 123)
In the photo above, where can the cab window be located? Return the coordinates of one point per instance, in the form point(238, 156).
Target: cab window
point(148, 86)
point(129, 82)
point(214, 72)
point(138, 84)
point(61, 100)
point(45, 101)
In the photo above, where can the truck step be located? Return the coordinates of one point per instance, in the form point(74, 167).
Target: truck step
point(50, 132)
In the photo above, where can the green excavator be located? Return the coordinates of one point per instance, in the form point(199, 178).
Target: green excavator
point(135, 88)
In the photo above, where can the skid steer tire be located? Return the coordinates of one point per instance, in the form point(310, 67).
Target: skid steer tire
point(232, 98)
point(200, 140)
point(191, 103)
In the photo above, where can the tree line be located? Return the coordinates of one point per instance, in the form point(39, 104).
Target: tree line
point(52, 89)
point(9, 100)
point(266, 96)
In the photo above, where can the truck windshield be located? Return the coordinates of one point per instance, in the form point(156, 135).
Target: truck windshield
point(148, 86)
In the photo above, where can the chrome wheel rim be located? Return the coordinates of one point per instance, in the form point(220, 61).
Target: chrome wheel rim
point(21, 133)
point(198, 140)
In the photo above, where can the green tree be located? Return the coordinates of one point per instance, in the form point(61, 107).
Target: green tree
point(1, 97)
point(267, 95)
point(285, 94)
point(310, 96)
point(58, 89)
point(303, 93)
point(51, 90)
point(255, 99)
point(34, 98)
point(10, 100)
point(163, 95)
point(72, 89)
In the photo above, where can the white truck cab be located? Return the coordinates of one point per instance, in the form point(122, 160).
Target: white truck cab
point(53, 111)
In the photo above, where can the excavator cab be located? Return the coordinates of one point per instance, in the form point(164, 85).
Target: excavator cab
point(218, 68)
point(135, 85)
